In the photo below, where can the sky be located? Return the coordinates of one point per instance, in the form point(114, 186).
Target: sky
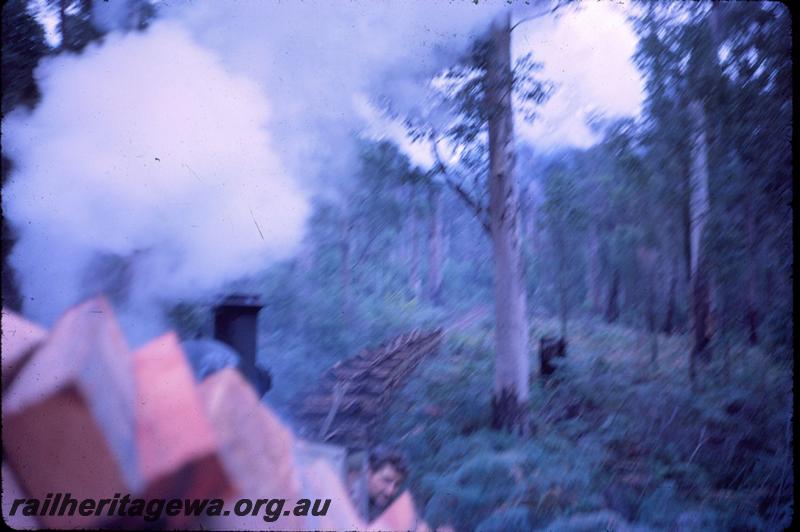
point(586, 52)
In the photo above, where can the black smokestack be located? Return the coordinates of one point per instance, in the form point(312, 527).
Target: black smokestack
point(236, 324)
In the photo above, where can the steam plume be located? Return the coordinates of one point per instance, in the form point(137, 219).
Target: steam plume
point(147, 167)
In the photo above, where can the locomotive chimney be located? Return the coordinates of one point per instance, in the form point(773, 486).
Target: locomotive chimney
point(236, 324)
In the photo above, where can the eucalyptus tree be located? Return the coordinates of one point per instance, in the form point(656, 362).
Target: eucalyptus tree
point(479, 95)
point(720, 71)
point(677, 55)
point(755, 185)
point(565, 217)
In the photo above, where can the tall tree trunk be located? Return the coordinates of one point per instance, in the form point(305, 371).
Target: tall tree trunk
point(699, 208)
point(561, 281)
point(435, 244)
point(447, 237)
point(534, 235)
point(751, 290)
point(686, 219)
point(612, 310)
point(701, 313)
point(414, 279)
point(706, 135)
point(63, 27)
point(669, 319)
point(647, 263)
point(593, 270)
point(447, 230)
point(563, 308)
point(399, 253)
point(528, 223)
point(687, 229)
point(345, 271)
point(12, 296)
point(512, 365)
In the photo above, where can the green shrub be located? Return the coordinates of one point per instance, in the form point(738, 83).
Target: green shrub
point(510, 520)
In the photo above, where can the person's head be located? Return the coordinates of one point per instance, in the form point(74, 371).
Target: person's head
point(387, 471)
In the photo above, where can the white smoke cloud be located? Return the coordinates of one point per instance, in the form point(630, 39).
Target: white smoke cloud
point(315, 58)
point(155, 160)
point(174, 154)
point(148, 150)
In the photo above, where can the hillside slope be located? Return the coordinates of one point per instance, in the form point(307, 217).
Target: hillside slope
point(617, 442)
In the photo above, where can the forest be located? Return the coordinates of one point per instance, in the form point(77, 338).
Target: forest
point(617, 313)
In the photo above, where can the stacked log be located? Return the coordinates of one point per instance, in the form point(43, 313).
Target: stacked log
point(365, 384)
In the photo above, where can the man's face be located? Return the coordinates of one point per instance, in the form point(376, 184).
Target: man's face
point(383, 485)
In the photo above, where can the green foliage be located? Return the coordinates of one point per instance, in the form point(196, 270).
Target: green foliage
point(23, 46)
point(510, 520)
point(463, 87)
point(77, 30)
point(467, 284)
point(736, 60)
point(617, 438)
point(662, 506)
point(189, 320)
point(612, 433)
point(78, 27)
